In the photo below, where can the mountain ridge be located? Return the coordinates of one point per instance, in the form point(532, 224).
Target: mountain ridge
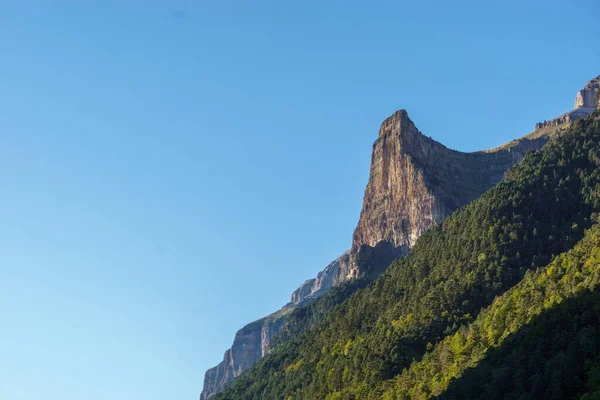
point(414, 183)
point(455, 270)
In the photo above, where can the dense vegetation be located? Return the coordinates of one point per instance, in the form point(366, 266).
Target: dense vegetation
point(455, 270)
point(540, 339)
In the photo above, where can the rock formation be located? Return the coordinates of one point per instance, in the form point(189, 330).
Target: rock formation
point(414, 183)
point(313, 288)
point(251, 343)
point(586, 97)
point(586, 101)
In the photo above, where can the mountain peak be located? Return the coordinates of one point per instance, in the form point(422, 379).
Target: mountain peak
point(586, 101)
point(396, 122)
point(587, 97)
point(593, 84)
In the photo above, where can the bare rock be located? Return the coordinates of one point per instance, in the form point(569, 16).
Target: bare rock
point(586, 102)
point(414, 183)
point(250, 345)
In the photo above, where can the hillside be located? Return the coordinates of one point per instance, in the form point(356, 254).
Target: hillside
point(541, 338)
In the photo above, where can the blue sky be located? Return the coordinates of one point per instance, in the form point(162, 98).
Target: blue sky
point(173, 170)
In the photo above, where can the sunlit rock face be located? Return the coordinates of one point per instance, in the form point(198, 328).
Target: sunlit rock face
point(586, 102)
point(586, 97)
point(329, 277)
point(250, 345)
point(415, 182)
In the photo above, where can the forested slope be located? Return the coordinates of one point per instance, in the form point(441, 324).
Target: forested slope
point(540, 339)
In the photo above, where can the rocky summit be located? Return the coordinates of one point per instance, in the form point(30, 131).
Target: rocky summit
point(586, 101)
point(414, 183)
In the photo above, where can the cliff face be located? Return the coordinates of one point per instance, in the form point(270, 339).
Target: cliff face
point(329, 277)
point(586, 97)
point(586, 101)
point(250, 345)
point(414, 183)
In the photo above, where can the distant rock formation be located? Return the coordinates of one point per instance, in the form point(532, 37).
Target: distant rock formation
point(329, 277)
point(414, 183)
point(586, 101)
point(250, 345)
point(587, 97)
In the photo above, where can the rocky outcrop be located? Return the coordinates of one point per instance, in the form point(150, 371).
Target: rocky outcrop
point(414, 183)
point(329, 277)
point(250, 345)
point(586, 101)
point(586, 97)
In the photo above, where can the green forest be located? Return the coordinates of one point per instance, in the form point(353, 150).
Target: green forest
point(548, 322)
point(498, 301)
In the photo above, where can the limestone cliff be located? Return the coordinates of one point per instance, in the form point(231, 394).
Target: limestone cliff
point(587, 97)
point(327, 278)
point(416, 182)
point(586, 101)
point(251, 343)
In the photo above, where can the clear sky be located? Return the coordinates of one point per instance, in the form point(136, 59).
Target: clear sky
point(171, 170)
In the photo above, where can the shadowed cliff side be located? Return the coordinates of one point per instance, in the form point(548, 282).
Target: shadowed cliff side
point(586, 101)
